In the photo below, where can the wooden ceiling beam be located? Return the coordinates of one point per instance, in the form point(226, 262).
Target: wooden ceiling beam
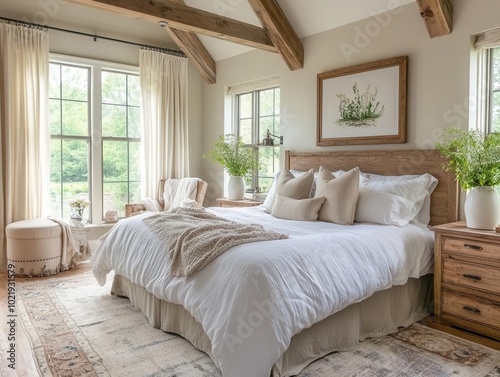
point(437, 15)
point(280, 31)
point(183, 17)
point(197, 54)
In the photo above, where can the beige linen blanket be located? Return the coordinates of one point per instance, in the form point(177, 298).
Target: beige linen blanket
point(195, 237)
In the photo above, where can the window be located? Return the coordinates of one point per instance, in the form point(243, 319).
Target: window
point(257, 112)
point(95, 136)
point(494, 93)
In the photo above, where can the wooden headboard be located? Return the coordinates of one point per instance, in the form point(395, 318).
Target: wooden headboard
point(444, 199)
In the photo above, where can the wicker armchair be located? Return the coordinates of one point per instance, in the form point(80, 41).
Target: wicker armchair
point(136, 208)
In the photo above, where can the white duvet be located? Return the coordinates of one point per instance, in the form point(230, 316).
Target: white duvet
point(253, 298)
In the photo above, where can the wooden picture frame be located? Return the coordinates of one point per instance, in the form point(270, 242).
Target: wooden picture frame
point(363, 104)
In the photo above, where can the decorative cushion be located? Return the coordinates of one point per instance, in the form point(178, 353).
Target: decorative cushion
point(297, 209)
point(341, 196)
point(295, 187)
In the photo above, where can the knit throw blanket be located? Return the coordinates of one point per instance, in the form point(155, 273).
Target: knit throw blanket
point(195, 237)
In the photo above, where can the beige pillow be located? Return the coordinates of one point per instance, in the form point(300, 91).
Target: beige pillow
point(295, 187)
point(296, 209)
point(341, 196)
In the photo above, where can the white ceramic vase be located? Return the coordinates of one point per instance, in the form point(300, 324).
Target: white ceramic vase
point(482, 208)
point(236, 188)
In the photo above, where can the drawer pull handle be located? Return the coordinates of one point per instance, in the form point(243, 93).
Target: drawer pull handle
point(473, 277)
point(474, 247)
point(472, 309)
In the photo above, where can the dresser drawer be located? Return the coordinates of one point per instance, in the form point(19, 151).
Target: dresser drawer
point(472, 275)
point(481, 311)
point(473, 248)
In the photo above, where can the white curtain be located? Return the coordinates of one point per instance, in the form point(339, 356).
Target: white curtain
point(24, 121)
point(164, 116)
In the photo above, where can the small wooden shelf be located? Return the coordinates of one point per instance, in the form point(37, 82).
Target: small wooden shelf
point(225, 202)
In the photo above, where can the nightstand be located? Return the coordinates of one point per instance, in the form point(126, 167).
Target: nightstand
point(467, 278)
point(225, 202)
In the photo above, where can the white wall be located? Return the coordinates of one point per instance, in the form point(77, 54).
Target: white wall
point(438, 77)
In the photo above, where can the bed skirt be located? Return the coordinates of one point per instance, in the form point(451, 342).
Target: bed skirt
point(378, 315)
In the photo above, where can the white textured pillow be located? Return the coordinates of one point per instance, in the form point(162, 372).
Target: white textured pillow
point(341, 196)
point(392, 202)
point(423, 215)
point(297, 209)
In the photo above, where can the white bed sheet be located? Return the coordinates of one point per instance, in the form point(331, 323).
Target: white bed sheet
point(253, 298)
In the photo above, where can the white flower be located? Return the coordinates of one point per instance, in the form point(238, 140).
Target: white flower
point(79, 202)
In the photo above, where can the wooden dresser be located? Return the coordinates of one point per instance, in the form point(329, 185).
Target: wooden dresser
point(467, 278)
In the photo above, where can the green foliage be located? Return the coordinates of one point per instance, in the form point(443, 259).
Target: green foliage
point(231, 153)
point(473, 157)
point(361, 108)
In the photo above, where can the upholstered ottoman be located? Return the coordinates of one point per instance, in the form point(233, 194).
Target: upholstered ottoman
point(34, 247)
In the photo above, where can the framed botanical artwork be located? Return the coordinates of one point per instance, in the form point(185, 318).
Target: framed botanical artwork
point(363, 104)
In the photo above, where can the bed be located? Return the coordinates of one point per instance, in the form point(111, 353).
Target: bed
point(272, 307)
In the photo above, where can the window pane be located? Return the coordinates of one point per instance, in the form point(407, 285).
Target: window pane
point(75, 120)
point(75, 161)
point(75, 83)
point(114, 88)
point(55, 81)
point(245, 105)
point(495, 112)
point(246, 131)
point(266, 103)
point(114, 121)
point(135, 193)
point(134, 91)
point(134, 122)
point(135, 161)
point(496, 68)
point(277, 100)
point(267, 123)
point(115, 196)
point(55, 116)
point(115, 161)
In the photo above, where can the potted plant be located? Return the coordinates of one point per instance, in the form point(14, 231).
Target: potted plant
point(475, 159)
point(237, 159)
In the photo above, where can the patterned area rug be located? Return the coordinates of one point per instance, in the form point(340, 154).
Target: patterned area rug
point(78, 329)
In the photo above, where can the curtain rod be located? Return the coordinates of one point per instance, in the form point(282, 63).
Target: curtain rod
point(95, 36)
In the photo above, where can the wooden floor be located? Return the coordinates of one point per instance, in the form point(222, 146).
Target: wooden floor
point(24, 357)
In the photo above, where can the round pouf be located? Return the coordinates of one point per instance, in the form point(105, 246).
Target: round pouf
point(34, 247)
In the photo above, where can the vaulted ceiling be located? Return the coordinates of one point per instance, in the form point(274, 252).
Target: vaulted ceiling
point(275, 26)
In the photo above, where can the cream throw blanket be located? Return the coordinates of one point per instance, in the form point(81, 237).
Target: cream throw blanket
point(195, 237)
point(179, 192)
point(70, 255)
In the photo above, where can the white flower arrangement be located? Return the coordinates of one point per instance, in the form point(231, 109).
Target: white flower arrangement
point(79, 202)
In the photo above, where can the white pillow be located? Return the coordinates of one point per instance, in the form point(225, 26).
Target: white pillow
point(423, 215)
point(391, 201)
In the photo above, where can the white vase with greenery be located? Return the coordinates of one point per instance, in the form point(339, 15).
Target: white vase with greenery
point(475, 159)
point(237, 159)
